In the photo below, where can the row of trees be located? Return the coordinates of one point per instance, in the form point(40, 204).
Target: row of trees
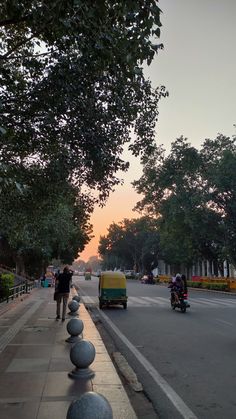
point(131, 244)
point(190, 199)
point(71, 90)
point(92, 264)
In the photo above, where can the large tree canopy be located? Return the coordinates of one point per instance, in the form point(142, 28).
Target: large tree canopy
point(72, 90)
point(193, 192)
point(73, 85)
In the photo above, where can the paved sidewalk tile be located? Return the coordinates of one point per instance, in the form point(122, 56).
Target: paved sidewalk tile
point(35, 362)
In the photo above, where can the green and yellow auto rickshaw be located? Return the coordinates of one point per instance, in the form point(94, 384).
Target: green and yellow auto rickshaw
point(87, 276)
point(112, 289)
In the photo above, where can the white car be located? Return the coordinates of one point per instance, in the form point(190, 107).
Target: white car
point(129, 274)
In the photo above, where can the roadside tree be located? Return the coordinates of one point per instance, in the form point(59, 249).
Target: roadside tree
point(192, 192)
point(72, 91)
point(73, 85)
point(42, 221)
point(131, 244)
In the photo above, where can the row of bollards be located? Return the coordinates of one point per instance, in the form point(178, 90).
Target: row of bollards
point(74, 327)
point(73, 305)
point(90, 405)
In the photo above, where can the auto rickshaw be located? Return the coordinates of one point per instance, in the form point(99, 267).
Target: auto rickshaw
point(112, 289)
point(87, 276)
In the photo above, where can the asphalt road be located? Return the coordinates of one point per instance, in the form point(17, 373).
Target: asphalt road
point(185, 362)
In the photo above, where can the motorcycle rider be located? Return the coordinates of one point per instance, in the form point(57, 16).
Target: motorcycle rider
point(185, 285)
point(177, 286)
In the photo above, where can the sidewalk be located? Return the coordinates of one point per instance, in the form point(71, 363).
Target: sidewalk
point(35, 362)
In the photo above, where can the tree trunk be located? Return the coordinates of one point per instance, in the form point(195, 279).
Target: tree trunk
point(43, 267)
point(20, 266)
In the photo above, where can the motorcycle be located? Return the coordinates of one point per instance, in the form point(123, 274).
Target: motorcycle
point(181, 302)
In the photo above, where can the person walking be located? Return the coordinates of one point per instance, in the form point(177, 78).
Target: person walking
point(62, 289)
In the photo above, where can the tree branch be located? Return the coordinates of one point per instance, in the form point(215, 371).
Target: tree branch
point(29, 56)
point(9, 22)
point(2, 57)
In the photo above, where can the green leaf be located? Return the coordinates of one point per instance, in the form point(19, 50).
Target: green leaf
point(3, 131)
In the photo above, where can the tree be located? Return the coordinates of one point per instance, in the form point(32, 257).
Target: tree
point(131, 244)
point(94, 263)
point(79, 265)
point(72, 90)
point(44, 221)
point(193, 194)
point(73, 85)
point(220, 155)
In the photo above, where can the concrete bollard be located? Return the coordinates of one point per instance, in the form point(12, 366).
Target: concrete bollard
point(74, 328)
point(82, 354)
point(76, 298)
point(90, 406)
point(73, 307)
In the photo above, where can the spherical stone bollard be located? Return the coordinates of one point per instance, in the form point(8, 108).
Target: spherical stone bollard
point(74, 328)
point(73, 307)
point(90, 406)
point(82, 354)
point(76, 298)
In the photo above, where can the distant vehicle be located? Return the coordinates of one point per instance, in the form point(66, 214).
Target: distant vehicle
point(87, 276)
point(129, 274)
point(97, 273)
point(50, 276)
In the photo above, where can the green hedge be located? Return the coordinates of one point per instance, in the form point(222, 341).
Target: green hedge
point(208, 285)
point(194, 284)
point(6, 282)
point(218, 287)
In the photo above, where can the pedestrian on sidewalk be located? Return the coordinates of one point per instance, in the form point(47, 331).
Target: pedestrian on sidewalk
point(62, 289)
point(37, 283)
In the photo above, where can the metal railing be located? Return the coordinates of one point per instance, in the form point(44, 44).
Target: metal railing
point(18, 278)
point(17, 290)
point(23, 285)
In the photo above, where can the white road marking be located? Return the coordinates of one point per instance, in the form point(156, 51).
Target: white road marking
point(162, 301)
point(226, 301)
point(203, 302)
point(155, 301)
point(176, 400)
point(224, 322)
point(214, 302)
point(137, 300)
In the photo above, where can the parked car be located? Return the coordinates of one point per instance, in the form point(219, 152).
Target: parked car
point(129, 274)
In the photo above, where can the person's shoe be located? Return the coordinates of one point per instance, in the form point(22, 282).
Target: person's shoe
point(63, 320)
point(58, 317)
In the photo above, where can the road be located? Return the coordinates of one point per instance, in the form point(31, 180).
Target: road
point(185, 362)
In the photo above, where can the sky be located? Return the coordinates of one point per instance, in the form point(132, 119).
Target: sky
point(198, 68)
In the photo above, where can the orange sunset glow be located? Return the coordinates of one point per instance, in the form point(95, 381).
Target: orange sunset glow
point(119, 206)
